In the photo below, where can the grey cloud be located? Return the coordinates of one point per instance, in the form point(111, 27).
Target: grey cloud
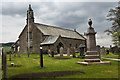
point(66, 15)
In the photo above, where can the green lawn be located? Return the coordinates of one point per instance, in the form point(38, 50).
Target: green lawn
point(32, 65)
point(110, 55)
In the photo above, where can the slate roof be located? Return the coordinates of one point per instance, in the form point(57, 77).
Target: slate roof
point(51, 30)
point(50, 39)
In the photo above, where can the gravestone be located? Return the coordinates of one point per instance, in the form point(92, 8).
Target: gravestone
point(2, 58)
point(52, 53)
point(103, 51)
point(107, 51)
point(18, 51)
point(61, 51)
point(82, 49)
point(116, 50)
point(110, 48)
point(68, 52)
point(9, 55)
point(14, 52)
point(98, 49)
point(4, 65)
point(73, 52)
point(49, 52)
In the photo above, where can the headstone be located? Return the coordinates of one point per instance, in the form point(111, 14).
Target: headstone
point(73, 52)
point(10, 55)
point(4, 65)
point(98, 49)
point(81, 51)
point(14, 52)
point(2, 58)
point(103, 51)
point(107, 51)
point(110, 48)
point(68, 52)
point(18, 51)
point(49, 52)
point(116, 50)
point(52, 53)
point(61, 51)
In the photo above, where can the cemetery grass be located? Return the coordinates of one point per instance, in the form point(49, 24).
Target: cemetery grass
point(111, 55)
point(32, 65)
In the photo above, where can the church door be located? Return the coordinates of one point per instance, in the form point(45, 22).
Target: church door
point(59, 46)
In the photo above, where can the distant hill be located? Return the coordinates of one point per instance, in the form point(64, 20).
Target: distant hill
point(6, 44)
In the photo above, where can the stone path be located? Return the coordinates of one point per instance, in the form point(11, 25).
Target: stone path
point(111, 59)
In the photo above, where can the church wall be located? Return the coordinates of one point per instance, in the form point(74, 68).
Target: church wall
point(37, 38)
point(66, 44)
point(23, 41)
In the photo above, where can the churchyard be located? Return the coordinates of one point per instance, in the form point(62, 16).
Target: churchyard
point(27, 66)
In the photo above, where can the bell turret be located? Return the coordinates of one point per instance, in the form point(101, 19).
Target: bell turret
point(30, 15)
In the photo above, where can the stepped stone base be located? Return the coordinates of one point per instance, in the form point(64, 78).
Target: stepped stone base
point(94, 63)
point(92, 60)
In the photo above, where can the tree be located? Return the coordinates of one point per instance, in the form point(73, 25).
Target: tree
point(114, 31)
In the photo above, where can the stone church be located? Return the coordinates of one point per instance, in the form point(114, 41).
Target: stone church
point(50, 37)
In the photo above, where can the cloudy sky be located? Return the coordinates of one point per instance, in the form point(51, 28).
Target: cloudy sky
point(67, 14)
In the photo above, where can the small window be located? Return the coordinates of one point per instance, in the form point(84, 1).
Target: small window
point(70, 45)
point(76, 46)
point(30, 35)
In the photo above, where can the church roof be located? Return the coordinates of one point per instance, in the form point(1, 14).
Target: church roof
point(51, 30)
point(50, 39)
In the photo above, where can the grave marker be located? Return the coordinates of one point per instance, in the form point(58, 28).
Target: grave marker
point(73, 50)
point(98, 49)
point(49, 52)
point(103, 51)
point(68, 52)
point(61, 51)
point(4, 65)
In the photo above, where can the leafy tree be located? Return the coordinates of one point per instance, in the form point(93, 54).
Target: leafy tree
point(114, 31)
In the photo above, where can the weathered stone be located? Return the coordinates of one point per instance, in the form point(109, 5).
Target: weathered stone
point(61, 51)
point(2, 58)
point(4, 65)
point(49, 52)
point(92, 56)
point(103, 51)
point(18, 52)
point(14, 53)
point(92, 53)
point(81, 51)
point(68, 52)
point(116, 50)
point(98, 49)
point(73, 52)
point(52, 53)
